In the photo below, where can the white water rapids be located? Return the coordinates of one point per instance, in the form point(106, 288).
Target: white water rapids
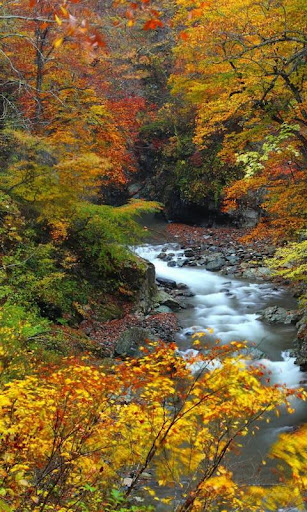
point(230, 306)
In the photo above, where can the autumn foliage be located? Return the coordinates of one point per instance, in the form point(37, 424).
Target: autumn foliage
point(211, 94)
point(70, 434)
point(241, 64)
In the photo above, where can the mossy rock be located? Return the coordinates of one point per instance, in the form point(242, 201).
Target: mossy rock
point(106, 312)
point(131, 340)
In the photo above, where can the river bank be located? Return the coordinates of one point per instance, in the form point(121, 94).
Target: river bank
point(228, 309)
point(210, 249)
point(221, 249)
point(223, 303)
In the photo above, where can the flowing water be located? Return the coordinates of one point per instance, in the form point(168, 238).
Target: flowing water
point(230, 307)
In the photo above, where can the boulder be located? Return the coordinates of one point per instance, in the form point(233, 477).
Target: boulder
point(172, 264)
point(164, 299)
point(233, 259)
point(140, 280)
point(278, 315)
point(215, 262)
point(129, 342)
point(162, 309)
point(182, 286)
point(134, 189)
point(189, 253)
point(168, 283)
point(300, 343)
point(147, 288)
point(253, 353)
point(257, 273)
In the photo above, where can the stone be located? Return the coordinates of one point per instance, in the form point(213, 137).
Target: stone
point(232, 259)
point(168, 283)
point(162, 309)
point(186, 293)
point(130, 341)
point(190, 263)
point(134, 189)
point(252, 352)
point(278, 315)
point(182, 286)
point(216, 262)
point(256, 273)
point(164, 299)
point(172, 264)
point(189, 253)
point(144, 281)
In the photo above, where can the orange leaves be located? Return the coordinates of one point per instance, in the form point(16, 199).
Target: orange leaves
point(184, 35)
point(136, 11)
point(75, 418)
point(152, 24)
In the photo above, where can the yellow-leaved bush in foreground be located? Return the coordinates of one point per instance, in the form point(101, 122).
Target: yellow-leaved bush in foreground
point(70, 435)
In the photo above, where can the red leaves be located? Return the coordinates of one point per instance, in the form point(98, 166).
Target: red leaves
point(184, 36)
point(96, 40)
point(153, 20)
point(152, 24)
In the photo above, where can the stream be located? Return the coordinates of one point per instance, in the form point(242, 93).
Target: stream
point(230, 306)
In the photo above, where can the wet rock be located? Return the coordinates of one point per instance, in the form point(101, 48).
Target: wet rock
point(300, 344)
point(168, 283)
point(186, 293)
point(278, 315)
point(162, 309)
point(190, 263)
point(189, 253)
point(165, 299)
point(253, 353)
point(182, 286)
point(172, 264)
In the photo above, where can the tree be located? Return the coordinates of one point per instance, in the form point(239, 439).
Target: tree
point(242, 62)
point(70, 434)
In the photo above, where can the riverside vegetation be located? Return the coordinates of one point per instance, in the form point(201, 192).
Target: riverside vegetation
point(108, 110)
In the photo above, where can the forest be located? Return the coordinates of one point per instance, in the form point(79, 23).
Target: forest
point(153, 259)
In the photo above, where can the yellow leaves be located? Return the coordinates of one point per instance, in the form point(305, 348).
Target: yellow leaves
point(101, 423)
point(64, 10)
point(23, 482)
point(58, 20)
point(4, 401)
point(58, 42)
